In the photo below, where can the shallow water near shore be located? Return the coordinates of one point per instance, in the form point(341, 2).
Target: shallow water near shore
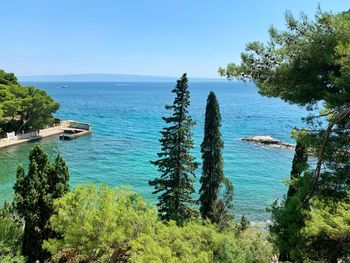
point(126, 120)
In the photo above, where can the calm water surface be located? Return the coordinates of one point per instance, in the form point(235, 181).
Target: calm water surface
point(126, 120)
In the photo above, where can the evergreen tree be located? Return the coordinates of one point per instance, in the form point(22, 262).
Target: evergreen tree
point(59, 184)
point(33, 200)
point(243, 224)
point(222, 213)
point(288, 217)
point(25, 108)
point(308, 64)
point(299, 165)
point(211, 206)
point(175, 161)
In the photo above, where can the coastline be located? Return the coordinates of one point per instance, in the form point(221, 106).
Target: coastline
point(37, 135)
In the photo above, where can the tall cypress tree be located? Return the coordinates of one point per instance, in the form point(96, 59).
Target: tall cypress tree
point(34, 196)
point(211, 205)
point(299, 165)
point(175, 161)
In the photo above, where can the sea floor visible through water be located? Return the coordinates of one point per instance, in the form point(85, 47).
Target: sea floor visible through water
point(126, 119)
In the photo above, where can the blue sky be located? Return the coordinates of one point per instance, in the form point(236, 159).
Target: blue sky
point(153, 37)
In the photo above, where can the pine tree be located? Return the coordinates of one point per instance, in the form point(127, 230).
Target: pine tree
point(175, 161)
point(211, 205)
point(34, 196)
point(60, 178)
point(308, 64)
point(288, 218)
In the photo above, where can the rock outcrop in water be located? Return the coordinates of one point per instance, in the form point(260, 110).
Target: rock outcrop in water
point(268, 140)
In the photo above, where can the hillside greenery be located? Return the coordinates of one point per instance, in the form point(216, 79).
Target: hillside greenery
point(117, 225)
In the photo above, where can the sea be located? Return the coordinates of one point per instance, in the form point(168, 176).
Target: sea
point(126, 119)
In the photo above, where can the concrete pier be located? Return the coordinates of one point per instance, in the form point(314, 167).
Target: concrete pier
point(75, 130)
point(68, 125)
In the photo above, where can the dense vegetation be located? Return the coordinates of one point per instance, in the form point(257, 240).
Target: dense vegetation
point(34, 196)
point(117, 225)
point(11, 236)
point(23, 108)
point(309, 64)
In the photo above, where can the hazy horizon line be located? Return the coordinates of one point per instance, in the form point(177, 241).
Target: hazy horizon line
point(110, 77)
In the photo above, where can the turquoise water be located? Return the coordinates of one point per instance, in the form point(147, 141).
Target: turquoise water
point(126, 120)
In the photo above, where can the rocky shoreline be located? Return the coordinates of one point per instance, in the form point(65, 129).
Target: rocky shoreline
point(268, 141)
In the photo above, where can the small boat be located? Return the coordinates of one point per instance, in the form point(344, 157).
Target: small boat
point(64, 87)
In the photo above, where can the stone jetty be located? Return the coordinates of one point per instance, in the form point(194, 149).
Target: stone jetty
point(64, 127)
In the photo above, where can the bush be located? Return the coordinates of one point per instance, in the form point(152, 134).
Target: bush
point(11, 234)
point(115, 225)
point(98, 224)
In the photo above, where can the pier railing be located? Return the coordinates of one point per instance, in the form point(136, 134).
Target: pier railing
point(80, 125)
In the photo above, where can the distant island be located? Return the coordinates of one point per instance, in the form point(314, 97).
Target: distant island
point(111, 77)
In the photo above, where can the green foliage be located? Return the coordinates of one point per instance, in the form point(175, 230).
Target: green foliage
point(23, 108)
point(288, 220)
point(10, 241)
point(304, 64)
point(97, 225)
point(11, 233)
point(7, 78)
point(117, 225)
point(307, 64)
point(289, 216)
point(197, 242)
point(328, 227)
point(10, 258)
point(212, 206)
point(175, 161)
point(244, 223)
point(37, 109)
point(299, 165)
point(253, 246)
point(34, 196)
point(224, 205)
point(169, 243)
